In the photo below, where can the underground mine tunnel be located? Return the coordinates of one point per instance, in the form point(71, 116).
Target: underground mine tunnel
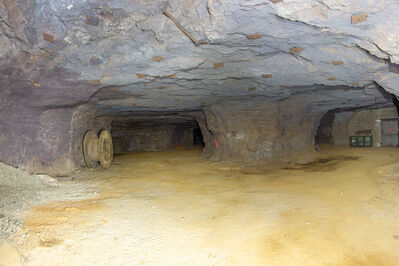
point(257, 132)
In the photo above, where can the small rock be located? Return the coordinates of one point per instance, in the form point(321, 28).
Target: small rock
point(47, 178)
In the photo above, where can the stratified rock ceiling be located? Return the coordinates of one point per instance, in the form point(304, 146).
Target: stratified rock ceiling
point(126, 55)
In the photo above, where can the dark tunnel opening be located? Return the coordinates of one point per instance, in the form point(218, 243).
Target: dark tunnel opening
point(372, 126)
point(324, 133)
point(155, 132)
point(396, 103)
point(198, 139)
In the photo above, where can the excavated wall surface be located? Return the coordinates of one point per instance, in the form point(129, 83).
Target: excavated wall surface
point(353, 123)
point(133, 138)
point(257, 75)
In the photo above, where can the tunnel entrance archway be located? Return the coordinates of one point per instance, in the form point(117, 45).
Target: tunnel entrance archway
point(324, 133)
point(396, 102)
point(154, 132)
point(361, 127)
point(198, 138)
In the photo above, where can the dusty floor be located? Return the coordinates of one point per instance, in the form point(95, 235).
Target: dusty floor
point(175, 208)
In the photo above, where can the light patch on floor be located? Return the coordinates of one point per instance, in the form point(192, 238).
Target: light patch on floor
point(176, 208)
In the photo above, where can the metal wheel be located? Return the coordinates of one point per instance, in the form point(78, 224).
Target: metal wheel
point(105, 149)
point(90, 141)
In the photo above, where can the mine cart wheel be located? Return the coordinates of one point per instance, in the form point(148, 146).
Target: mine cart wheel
point(90, 141)
point(105, 149)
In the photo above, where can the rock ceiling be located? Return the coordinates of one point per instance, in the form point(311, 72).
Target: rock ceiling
point(127, 55)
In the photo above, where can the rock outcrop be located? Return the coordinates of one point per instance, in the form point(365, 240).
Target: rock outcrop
point(132, 136)
point(122, 57)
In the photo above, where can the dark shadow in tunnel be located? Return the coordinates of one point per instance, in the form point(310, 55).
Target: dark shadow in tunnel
point(324, 133)
point(396, 103)
point(198, 139)
point(155, 132)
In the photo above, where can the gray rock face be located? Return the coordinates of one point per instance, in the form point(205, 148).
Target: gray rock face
point(153, 135)
point(246, 133)
point(123, 57)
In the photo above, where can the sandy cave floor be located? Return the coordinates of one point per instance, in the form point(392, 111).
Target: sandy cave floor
point(176, 208)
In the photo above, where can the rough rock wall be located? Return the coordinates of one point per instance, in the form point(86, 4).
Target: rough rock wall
point(249, 133)
point(121, 50)
point(183, 136)
point(137, 137)
point(36, 139)
point(340, 130)
point(45, 141)
point(127, 56)
point(355, 122)
point(142, 139)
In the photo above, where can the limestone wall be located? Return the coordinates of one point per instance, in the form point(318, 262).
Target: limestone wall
point(46, 141)
point(260, 131)
point(135, 137)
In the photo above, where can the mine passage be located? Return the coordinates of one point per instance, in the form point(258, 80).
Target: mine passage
point(199, 132)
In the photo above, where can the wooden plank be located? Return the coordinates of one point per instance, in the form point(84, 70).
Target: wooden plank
point(195, 41)
point(253, 36)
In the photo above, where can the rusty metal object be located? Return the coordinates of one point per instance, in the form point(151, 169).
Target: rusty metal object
point(98, 149)
point(180, 26)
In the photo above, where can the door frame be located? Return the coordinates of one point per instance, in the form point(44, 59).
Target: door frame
point(382, 133)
